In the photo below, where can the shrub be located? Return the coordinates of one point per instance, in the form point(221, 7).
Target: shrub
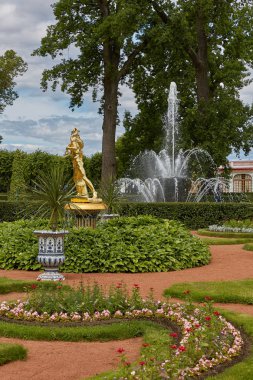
point(193, 215)
point(141, 244)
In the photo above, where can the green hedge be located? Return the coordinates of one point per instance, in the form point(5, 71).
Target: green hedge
point(10, 211)
point(193, 215)
point(141, 244)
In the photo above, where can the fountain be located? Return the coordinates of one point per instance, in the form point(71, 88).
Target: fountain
point(164, 177)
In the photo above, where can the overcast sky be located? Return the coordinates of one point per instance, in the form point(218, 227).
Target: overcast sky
point(39, 120)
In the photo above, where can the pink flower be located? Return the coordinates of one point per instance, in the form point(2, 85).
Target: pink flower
point(182, 348)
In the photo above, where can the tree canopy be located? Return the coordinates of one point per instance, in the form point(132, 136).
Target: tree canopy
point(98, 43)
point(11, 66)
point(206, 46)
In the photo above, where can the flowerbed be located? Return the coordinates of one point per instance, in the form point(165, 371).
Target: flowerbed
point(217, 228)
point(206, 339)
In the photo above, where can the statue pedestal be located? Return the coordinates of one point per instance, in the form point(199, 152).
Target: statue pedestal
point(85, 210)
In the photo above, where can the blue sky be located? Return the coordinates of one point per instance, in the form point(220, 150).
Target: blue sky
point(39, 120)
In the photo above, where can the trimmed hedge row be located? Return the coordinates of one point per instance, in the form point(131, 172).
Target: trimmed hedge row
point(194, 215)
point(11, 211)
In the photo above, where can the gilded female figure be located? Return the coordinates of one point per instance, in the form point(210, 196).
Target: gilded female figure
point(75, 150)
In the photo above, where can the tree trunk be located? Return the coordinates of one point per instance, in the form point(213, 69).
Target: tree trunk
point(109, 129)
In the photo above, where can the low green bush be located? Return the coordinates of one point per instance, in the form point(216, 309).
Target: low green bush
point(193, 215)
point(140, 244)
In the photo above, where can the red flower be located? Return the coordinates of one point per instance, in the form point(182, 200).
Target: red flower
point(197, 325)
point(142, 363)
point(136, 286)
point(187, 291)
point(119, 285)
point(33, 286)
point(174, 346)
point(145, 345)
point(188, 329)
point(208, 318)
point(216, 313)
point(174, 335)
point(182, 348)
point(120, 350)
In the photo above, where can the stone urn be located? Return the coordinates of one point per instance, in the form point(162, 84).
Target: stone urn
point(51, 254)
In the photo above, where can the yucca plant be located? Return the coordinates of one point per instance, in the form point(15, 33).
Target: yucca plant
point(50, 193)
point(111, 196)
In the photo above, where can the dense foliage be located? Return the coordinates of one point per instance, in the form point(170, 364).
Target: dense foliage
point(34, 163)
point(193, 215)
point(141, 244)
point(11, 66)
point(205, 46)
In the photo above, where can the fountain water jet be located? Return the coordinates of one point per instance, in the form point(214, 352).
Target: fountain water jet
point(164, 177)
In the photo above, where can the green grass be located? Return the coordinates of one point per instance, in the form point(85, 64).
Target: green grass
point(248, 247)
point(157, 338)
point(225, 241)
point(102, 332)
point(10, 352)
point(220, 291)
point(8, 285)
point(225, 234)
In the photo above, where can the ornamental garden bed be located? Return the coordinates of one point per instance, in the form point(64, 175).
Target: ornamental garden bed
point(199, 338)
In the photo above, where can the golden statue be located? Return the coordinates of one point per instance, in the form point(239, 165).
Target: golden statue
point(75, 150)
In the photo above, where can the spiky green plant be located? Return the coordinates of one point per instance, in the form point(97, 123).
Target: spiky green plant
point(51, 192)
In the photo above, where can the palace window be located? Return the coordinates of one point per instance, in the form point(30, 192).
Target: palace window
point(242, 183)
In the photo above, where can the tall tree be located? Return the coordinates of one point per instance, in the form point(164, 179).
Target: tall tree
point(98, 42)
point(11, 66)
point(209, 50)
